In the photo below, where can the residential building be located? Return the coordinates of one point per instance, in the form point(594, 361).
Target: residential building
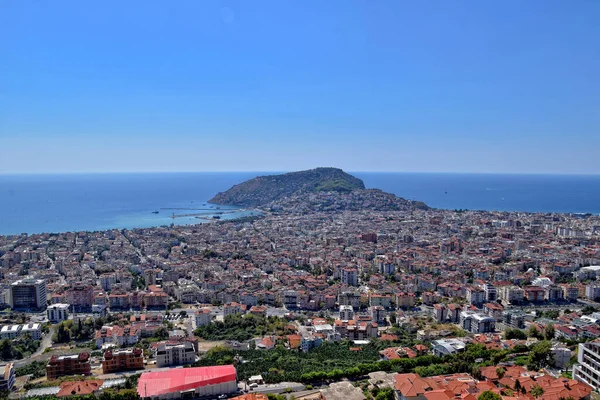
point(513, 294)
point(7, 377)
point(382, 300)
point(453, 313)
point(80, 388)
point(439, 312)
point(290, 299)
point(377, 314)
point(126, 335)
point(122, 360)
point(587, 368)
point(33, 329)
point(350, 276)
point(561, 355)
point(57, 312)
point(494, 310)
point(232, 308)
point(10, 331)
point(103, 335)
point(444, 347)
point(171, 354)
point(76, 364)
point(491, 294)
point(405, 300)
point(592, 291)
point(80, 297)
point(346, 313)
point(349, 298)
point(535, 294)
point(310, 342)
point(107, 281)
point(475, 296)
point(202, 317)
point(514, 318)
point(258, 310)
point(554, 293)
point(477, 323)
point(156, 300)
point(570, 292)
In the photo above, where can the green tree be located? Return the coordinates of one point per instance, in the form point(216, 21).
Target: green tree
point(537, 391)
point(533, 332)
point(6, 349)
point(385, 394)
point(63, 333)
point(540, 355)
point(549, 332)
point(393, 318)
point(500, 372)
point(489, 395)
point(514, 334)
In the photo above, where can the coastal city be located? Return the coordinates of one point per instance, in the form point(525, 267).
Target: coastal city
point(326, 295)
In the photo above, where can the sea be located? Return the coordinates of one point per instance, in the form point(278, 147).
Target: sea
point(91, 202)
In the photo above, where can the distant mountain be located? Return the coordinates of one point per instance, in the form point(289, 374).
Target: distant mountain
point(262, 190)
point(319, 189)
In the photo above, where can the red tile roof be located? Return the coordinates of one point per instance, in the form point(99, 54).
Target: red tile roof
point(79, 387)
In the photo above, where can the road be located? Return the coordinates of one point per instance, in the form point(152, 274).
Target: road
point(45, 343)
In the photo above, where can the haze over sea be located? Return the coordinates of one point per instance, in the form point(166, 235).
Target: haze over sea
point(74, 202)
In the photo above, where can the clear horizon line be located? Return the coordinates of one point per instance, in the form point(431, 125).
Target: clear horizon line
point(96, 172)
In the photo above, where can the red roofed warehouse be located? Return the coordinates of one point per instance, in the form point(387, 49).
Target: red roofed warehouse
point(188, 382)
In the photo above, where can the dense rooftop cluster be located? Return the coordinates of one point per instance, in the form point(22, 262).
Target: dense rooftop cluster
point(356, 265)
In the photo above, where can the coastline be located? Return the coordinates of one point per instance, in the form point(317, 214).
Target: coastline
point(86, 203)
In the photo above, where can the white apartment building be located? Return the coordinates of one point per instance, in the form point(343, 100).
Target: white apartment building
point(346, 313)
point(168, 355)
point(57, 312)
point(587, 369)
point(10, 331)
point(34, 330)
point(475, 296)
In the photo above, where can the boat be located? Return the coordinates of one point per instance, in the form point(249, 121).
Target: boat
point(154, 212)
point(216, 217)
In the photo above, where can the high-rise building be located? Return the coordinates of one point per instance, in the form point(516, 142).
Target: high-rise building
point(587, 368)
point(350, 276)
point(28, 293)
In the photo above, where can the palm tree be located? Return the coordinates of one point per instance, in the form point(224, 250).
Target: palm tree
point(537, 391)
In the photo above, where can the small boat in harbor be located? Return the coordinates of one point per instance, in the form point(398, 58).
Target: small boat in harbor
point(154, 212)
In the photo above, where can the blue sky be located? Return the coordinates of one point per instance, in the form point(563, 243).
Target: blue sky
point(451, 86)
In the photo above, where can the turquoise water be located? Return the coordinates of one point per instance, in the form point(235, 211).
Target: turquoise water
point(57, 203)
